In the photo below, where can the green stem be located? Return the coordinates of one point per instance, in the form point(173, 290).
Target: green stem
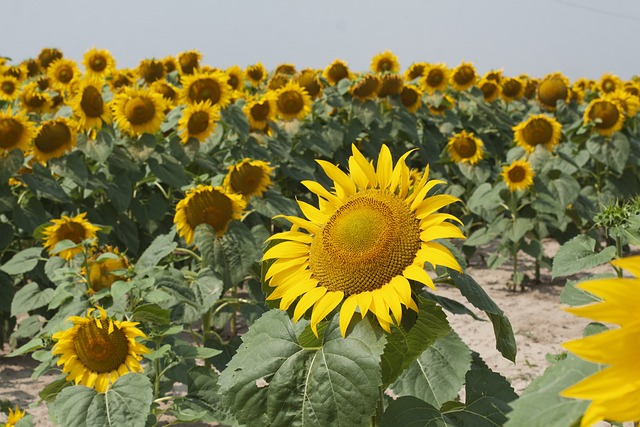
point(376, 419)
point(188, 252)
point(618, 253)
point(513, 207)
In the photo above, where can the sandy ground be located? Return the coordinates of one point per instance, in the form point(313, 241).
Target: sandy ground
point(538, 321)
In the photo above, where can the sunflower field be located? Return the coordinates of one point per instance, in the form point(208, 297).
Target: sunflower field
point(186, 244)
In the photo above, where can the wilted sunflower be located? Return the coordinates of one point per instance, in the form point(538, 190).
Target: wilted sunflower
point(88, 105)
point(16, 131)
point(512, 88)
point(415, 71)
point(490, 89)
point(61, 73)
point(206, 204)
point(47, 55)
point(248, 178)
point(537, 130)
point(53, 138)
point(308, 80)
point(76, 229)
point(609, 83)
point(390, 84)
point(463, 76)
point(168, 91)
point(606, 114)
point(150, 70)
point(463, 147)
point(614, 391)
point(235, 79)
point(98, 63)
point(137, 111)
point(369, 236)
point(435, 78)
point(518, 175)
point(411, 97)
point(14, 416)
point(255, 73)
point(286, 69)
point(97, 350)
point(365, 87)
point(198, 121)
point(292, 102)
point(553, 88)
point(34, 100)
point(9, 88)
point(385, 62)
point(260, 111)
point(105, 268)
point(212, 87)
point(189, 62)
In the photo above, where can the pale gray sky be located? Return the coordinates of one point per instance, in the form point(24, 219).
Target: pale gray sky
point(577, 37)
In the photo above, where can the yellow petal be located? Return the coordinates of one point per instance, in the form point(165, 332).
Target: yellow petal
point(322, 192)
point(287, 250)
point(301, 223)
point(413, 272)
point(630, 263)
point(343, 184)
point(436, 254)
point(401, 285)
point(294, 236)
point(346, 313)
point(400, 175)
point(380, 308)
point(312, 213)
point(384, 168)
point(365, 166)
point(307, 300)
point(364, 302)
point(294, 292)
point(446, 230)
point(282, 265)
point(432, 204)
point(323, 307)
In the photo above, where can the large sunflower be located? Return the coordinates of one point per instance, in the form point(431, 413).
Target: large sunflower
point(53, 139)
point(255, 73)
point(76, 229)
point(14, 416)
point(98, 63)
point(97, 350)
point(89, 106)
point(463, 76)
point(105, 268)
point(137, 111)
point(16, 131)
point(411, 97)
point(435, 78)
point(206, 204)
point(463, 147)
point(248, 178)
point(606, 114)
point(198, 121)
point(518, 175)
point(365, 87)
point(538, 130)
point(362, 245)
point(553, 88)
point(614, 391)
point(260, 111)
point(62, 72)
point(211, 86)
point(189, 62)
point(9, 88)
point(292, 102)
point(385, 62)
point(336, 71)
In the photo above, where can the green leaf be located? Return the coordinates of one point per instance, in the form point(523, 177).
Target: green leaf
point(571, 295)
point(411, 411)
point(30, 216)
point(10, 164)
point(42, 183)
point(161, 246)
point(578, 254)
point(203, 392)
point(74, 167)
point(30, 297)
point(51, 390)
point(563, 187)
point(542, 397)
point(120, 192)
point(6, 235)
point(234, 116)
point(235, 253)
point(191, 352)
point(23, 261)
point(152, 313)
point(612, 152)
point(519, 228)
point(168, 170)
point(484, 200)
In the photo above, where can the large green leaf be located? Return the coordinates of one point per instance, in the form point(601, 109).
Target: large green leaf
point(235, 253)
point(409, 411)
point(273, 380)
point(161, 246)
point(10, 164)
point(30, 297)
point(612, 152)
point(42, 183)
point(168, 170)
point(22, 262)
point(571, 295)
point(578, 254)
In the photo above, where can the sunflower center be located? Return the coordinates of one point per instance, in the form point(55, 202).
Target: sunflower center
point(205, 89)
point(233, 81)
point(464, 75)
point(385, 65)
point(338, 72)
point(465, 147)
point(489, 88)
point(65, 75)
point(246, 179)
point(517, 174)
point(91, 102)
point(434, 78)
point(538, 131)
point(211, 208)
point(198, 122)
point(34, 100)
point(100, 351)
point(139, 110)
point(511, 88)
point(608, 86)
point(260, 111)
point(98, 63)
point(550, 91)
point(290, 102)
point(369, 240)
point(255, 73)
point(409, 97)
point(71, 231)
point(10, 132)
point(51, 137)
point(606, 112)
point(8, 87)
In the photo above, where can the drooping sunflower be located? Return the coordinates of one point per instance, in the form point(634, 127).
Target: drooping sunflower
point(463, 147)
point(286, 69)
point(369, 236)
point(19, 72)
point(97, 350)
point(337, 71)
point(248, 178)
point(390, 84)
point(34, 100)
point(106, 267)
point(16, 131)
point(98, 63)
point(415, 71)
point(260, 111)
point(609, 83)
point(9, 88)
point(206, 204)
point(385, 62)
point(518, 175)
point(150, 70)
point(463, 76)
point(88, 105)
point(198, 121)
point(435, 78)
point(512, 88)
point(292, 102)
point(53, 138)
point(606, 114)
point(14, 416)
point(494, 75)
point(538, 129)
point(614, 391)
point(47, 55)
point(365, 87)
point(255, 73)
point(490, 89)
point(212, 87)
point(308, 80)
point(553, 88)
point(76, 229)
point(189, 62)
point(137, 111)
point(61, 73)
point(411, 97)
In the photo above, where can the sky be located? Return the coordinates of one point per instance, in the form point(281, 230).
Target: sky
point(580, 38)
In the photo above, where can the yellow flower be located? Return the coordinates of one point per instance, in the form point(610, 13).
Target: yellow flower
point(362, 244)
point(365, 87)
point(9, 88)
point(292, 102)
point(137, 111)
point(14, 416)
point(16, 131)
point(629, 102)
point(53, 139)
point(308, 80)
point(278, 81)
point(518, 175)
point(32, 66)
point(150, 70)
point(512, 88)
point(62, 72)
point(336, 71)
point(411, 97)
point(235, 78)
point(211, 86)
point(98, 63)
point(248, 178)
point(614, 391)
point(88, 105)
point(205, 204)
point(260, 111)
point(463, 76)
point(47, 55)
point(168, 91)
point(189, 62)
point(104, 270)
point(435, 78)
point(34, 100)
point(537, 130)
point(490, 89)
point(465, 148)
point(255, 73)
point(198, 121)
point(96, 351)
point(286, 69)
point(553, 88)
point(76, 229)
point(170, 64)
point(531, 87)
point(385, 62)
point(415, 71)
point(606, 114)
point(609, 83)
point(121, 79)
point(390, 84)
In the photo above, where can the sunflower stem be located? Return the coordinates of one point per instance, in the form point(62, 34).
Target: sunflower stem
point(516, 245)
point(186, 251)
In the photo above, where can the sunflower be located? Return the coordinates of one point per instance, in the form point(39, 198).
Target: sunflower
point(206, 204)
point(168, 91)
point(105, 268)
point(260, 111)
point(518, 175)
point(494, 75)
point(47, 55)
point(614, 391)
point(16, 131)
point(61, 73)
point(337, 71)
point(189, 62)
point(98, 63)
point(236, 78)
point(121, 79)
point(150, 70)
point(435, 78)
point(512, 88)
point(308, 80)
point(255, 73)
point(531, 87)
point(33, 67)
point(385, 62)
point(19, 72)
point(170, 64)
point(292, 102)
point(584, 84)
point(465, 148)
point(365, 87)
point(248, 178)
point(411, 97)
point(538, 130)
point(14, 416)
point(9, 88)
point(606, 114)
point(362, 245)
point(198, 121)
point(34, 100)
point(278, 81)
point(88, 105)
point(490, 89)
point(630, 103)
point(137, 111)
point(76, 229)
point(463, 76)
point(97, 350)
point(553, 88)
point(53, 139)
point(415, 71)
point(286, 69)
point(390, 84)
point(609, 83)
point(630, 87)
point(212, 87)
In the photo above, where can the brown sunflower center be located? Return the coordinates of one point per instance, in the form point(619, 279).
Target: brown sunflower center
point(198, 122)
point(260, 111)
point(369, 240)
point(10, 132)
point(64, 74)
point(290, 102)
point(48, 55)
point(409, 97)
point(189, 62)
point(537, 132)
point(8, 87)
point(71, 231)
point(552, 90)
point(255, 73)
point(91, 102)
point(488, 89)
point(210, 207)
point(98, 350)
point(139, 110)
point(205, 89)
point(337, 72)
point(511, 88)
point(465, 147)
point(608, 86)
point(34, 100)
point(385, 65)
point(435, 77)
point(52, 136)
point(464, 75)
point(98, 63)
point(246, 179)
point(517, 174)
point(234, 81)
point(607, 113)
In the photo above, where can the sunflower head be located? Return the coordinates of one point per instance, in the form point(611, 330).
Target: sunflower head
point(553, 88)
point(362, 245)
point(121, 79)
point(411, 97)
point(62, 72)
point(47, 55)
point(385, 62)
point(16, 131)
point(390, 84)
point(212, 87)
point(286, 69)
point(518, 175)
point(494, 75)
point(531, 87)
point(106, 267)
point(278, 81)
point(435, 78)
point(198, 121)
point(630, 103)
point(292, 102)
point(609, 83)
point(512, 88)
point(606, 114)
point(490, 89)
point(53, 139)
point(415, 71)
point(9, 88)
point(168, 91)
point(337, 71)
point(77, 229)
point(463, 147)
point(463, 76)
point(308, 80)
point(365, 87)
point(19, 72)
point(32, 66)
point(206, 204)
point(631, 87)
point(236, 78)
point(537, 130)
point(150, 70)
point(260, 111)
point(248, 178)
point(34, 100)
point(255, 73)
point(14, 416)
point(97, 349)
point(189, 62)
point(98, 63)
point(89, 106)
point(170, 64)
point(138, 111)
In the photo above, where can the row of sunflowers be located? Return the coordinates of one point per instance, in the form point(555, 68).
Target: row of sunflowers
point(143, 198)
